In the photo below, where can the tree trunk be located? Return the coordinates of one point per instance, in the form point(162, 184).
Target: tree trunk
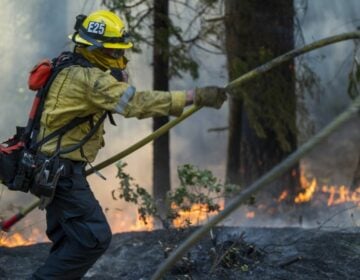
point(262, 123)
point(161, 152)
point(356, 179)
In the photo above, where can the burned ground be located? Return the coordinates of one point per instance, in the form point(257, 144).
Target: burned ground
point(231, 253)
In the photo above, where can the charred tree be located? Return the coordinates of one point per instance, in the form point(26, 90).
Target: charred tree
point(161, 151)
point(262, 124)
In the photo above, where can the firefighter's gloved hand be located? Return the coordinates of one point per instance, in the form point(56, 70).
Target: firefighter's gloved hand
point(211, 96)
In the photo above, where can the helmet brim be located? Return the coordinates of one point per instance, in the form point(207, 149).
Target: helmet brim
point(80, 40)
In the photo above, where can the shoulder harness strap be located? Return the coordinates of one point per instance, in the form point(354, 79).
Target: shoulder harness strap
point(66, 59)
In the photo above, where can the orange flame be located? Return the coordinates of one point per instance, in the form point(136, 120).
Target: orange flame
point(250, 215)
point(197, 214)
point(121, 222)
point(309, 190)
point(341, 194)
point(283, 196)
point(35, 235)
point(336, 194)
point(15, 240)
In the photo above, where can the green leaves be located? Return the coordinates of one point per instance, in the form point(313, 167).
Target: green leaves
point(133, 193)
point(190, 175)
point(199, 191)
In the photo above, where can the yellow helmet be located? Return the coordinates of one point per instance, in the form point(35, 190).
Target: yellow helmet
point(101, 29)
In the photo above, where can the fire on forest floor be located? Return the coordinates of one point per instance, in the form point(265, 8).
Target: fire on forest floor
point(319, 195)
point(228, 253)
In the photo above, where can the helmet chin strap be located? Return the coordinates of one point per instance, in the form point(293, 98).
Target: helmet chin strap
point(95, 44)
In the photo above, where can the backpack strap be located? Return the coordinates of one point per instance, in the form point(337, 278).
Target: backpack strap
point(86, 137)
point(61, 131)
point(69, 126)
point(66, 59)
point(111, 118)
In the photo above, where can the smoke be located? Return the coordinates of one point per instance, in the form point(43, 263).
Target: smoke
point(333, 162)
point(34, 29)
point(27, 37)
point(333, 65)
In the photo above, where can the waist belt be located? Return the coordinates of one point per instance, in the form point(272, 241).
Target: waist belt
point(72, 167)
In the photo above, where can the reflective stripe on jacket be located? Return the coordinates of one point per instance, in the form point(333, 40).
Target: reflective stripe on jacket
point(79, 92)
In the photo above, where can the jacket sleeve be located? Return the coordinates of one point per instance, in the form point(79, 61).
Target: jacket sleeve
point(118, 97)
point(144, 104)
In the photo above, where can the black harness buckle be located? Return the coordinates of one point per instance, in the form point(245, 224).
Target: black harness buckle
point(45, 182)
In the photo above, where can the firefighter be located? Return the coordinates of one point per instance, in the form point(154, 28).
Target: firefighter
point(76, 224)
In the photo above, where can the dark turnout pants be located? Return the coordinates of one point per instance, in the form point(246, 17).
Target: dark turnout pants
point(77, 227)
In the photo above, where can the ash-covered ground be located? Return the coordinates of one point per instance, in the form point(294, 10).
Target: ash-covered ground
point(229, 253)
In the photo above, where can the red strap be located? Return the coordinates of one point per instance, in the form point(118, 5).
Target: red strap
point(34, 107)
point(10, 149)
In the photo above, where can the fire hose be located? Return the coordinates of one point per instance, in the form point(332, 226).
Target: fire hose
point(8, 223)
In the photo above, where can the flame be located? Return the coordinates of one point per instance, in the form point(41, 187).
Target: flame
point(119, 222)
point(15, 240)
point(341, 195)
point(283, 196)
point(197, 214)
point(26, 238)
point(250, 214)
point(335, 194)
point(309, 190)
point(122, 222)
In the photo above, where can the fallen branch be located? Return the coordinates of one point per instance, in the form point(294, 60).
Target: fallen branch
point(290, 260)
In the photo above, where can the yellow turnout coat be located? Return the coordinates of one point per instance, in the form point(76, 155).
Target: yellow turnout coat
point(78, 92)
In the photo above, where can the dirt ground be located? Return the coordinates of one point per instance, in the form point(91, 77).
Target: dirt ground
point(229, 253)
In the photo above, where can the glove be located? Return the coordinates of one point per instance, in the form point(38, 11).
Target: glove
point(210, 96)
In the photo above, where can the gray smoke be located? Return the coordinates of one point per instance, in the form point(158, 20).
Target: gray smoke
point(31, 30)
point(333, 65)
point(34, 29)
